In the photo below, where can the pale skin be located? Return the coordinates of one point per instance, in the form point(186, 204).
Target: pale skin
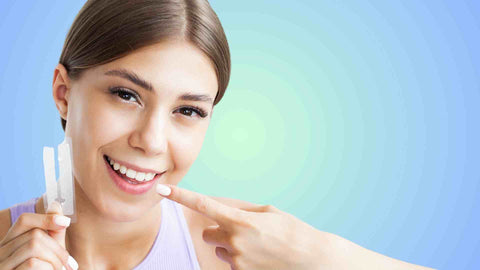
point(156, 131)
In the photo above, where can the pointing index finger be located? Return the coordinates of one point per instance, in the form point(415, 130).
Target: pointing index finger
point(203, 204)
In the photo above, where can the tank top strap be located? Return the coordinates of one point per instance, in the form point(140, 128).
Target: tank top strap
point(173, 248)
point(186, 234)
point(24, 207)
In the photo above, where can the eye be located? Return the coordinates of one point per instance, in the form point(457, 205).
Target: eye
point(189, 111)
point(124, 94)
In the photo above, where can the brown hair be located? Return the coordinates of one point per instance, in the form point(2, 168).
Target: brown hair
point(104, 31)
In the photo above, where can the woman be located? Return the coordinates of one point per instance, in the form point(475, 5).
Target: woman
point(135, 88)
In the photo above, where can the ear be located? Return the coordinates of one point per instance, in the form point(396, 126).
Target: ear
point(61, 90)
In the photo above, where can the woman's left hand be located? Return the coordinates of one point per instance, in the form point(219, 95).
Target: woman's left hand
point(259, 237)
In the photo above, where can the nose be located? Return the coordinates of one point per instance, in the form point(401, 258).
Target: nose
point(150, 136)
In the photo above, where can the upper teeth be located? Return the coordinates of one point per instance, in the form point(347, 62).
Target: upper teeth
point(139, 176)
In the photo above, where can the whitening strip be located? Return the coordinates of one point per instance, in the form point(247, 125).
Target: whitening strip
point(62, 191)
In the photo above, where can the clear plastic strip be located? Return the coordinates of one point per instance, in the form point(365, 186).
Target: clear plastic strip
point(50, 182)
point(62, 191)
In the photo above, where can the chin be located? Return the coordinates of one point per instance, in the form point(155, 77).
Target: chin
point(126, 212)
point(113, 208)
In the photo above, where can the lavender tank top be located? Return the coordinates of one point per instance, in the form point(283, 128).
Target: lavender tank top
point(173, 247)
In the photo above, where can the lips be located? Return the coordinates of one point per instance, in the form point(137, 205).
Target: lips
point(126, 178)
point(127, 184)
point(133, 166)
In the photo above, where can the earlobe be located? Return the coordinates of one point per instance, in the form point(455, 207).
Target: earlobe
point(61, 88)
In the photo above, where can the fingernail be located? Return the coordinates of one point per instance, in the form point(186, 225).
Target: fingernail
point(163, 190)
point(62, 220)
point(72, 263)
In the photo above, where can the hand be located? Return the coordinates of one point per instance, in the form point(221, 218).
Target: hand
point(263, 237)
point(36, 241)
point(258, 237)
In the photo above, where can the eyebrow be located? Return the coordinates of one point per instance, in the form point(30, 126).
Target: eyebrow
point(134, 78)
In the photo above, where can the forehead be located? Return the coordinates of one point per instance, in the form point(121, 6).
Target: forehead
point(169, 67)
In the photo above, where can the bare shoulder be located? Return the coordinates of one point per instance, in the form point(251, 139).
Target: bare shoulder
point(5, 222)
point(197, 223)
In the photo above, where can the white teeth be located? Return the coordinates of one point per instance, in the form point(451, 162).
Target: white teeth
point(139, 176)
point(131, 173)
point(149, 176)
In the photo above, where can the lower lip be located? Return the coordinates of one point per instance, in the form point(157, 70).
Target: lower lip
point(126, 186)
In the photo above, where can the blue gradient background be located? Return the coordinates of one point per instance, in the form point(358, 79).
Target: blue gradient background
point(357, 117)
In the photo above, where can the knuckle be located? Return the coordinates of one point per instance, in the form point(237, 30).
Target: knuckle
point(270, 208)
point(234, 243)
point(235, 215)
point(237, 262)
point(34, 245)
point(22, 219)
point(249, 220)
point(205, 235)
point(37, 234)
point(32, 263)
point(243, 219)
point(202, 204)
point(47, 220)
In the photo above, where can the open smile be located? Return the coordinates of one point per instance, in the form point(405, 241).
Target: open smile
point(129, 180)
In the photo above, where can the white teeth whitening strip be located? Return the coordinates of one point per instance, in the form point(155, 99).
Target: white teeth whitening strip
point(63, 190)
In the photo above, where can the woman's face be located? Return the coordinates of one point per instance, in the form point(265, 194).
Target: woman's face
point(132, 111)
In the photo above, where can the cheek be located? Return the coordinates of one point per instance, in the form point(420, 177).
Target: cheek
point(92, 124)
point(186, 147)
point(107, 125)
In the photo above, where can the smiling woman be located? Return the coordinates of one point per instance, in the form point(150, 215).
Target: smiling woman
point(152, 129)
point(135, 89)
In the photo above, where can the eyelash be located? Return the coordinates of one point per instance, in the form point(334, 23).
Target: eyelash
point(122, 91)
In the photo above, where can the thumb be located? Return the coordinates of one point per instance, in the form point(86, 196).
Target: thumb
point(56, 209)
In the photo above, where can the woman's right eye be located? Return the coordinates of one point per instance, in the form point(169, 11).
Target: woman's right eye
point(124, 95)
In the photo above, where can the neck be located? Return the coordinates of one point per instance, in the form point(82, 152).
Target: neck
point(96, 242)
